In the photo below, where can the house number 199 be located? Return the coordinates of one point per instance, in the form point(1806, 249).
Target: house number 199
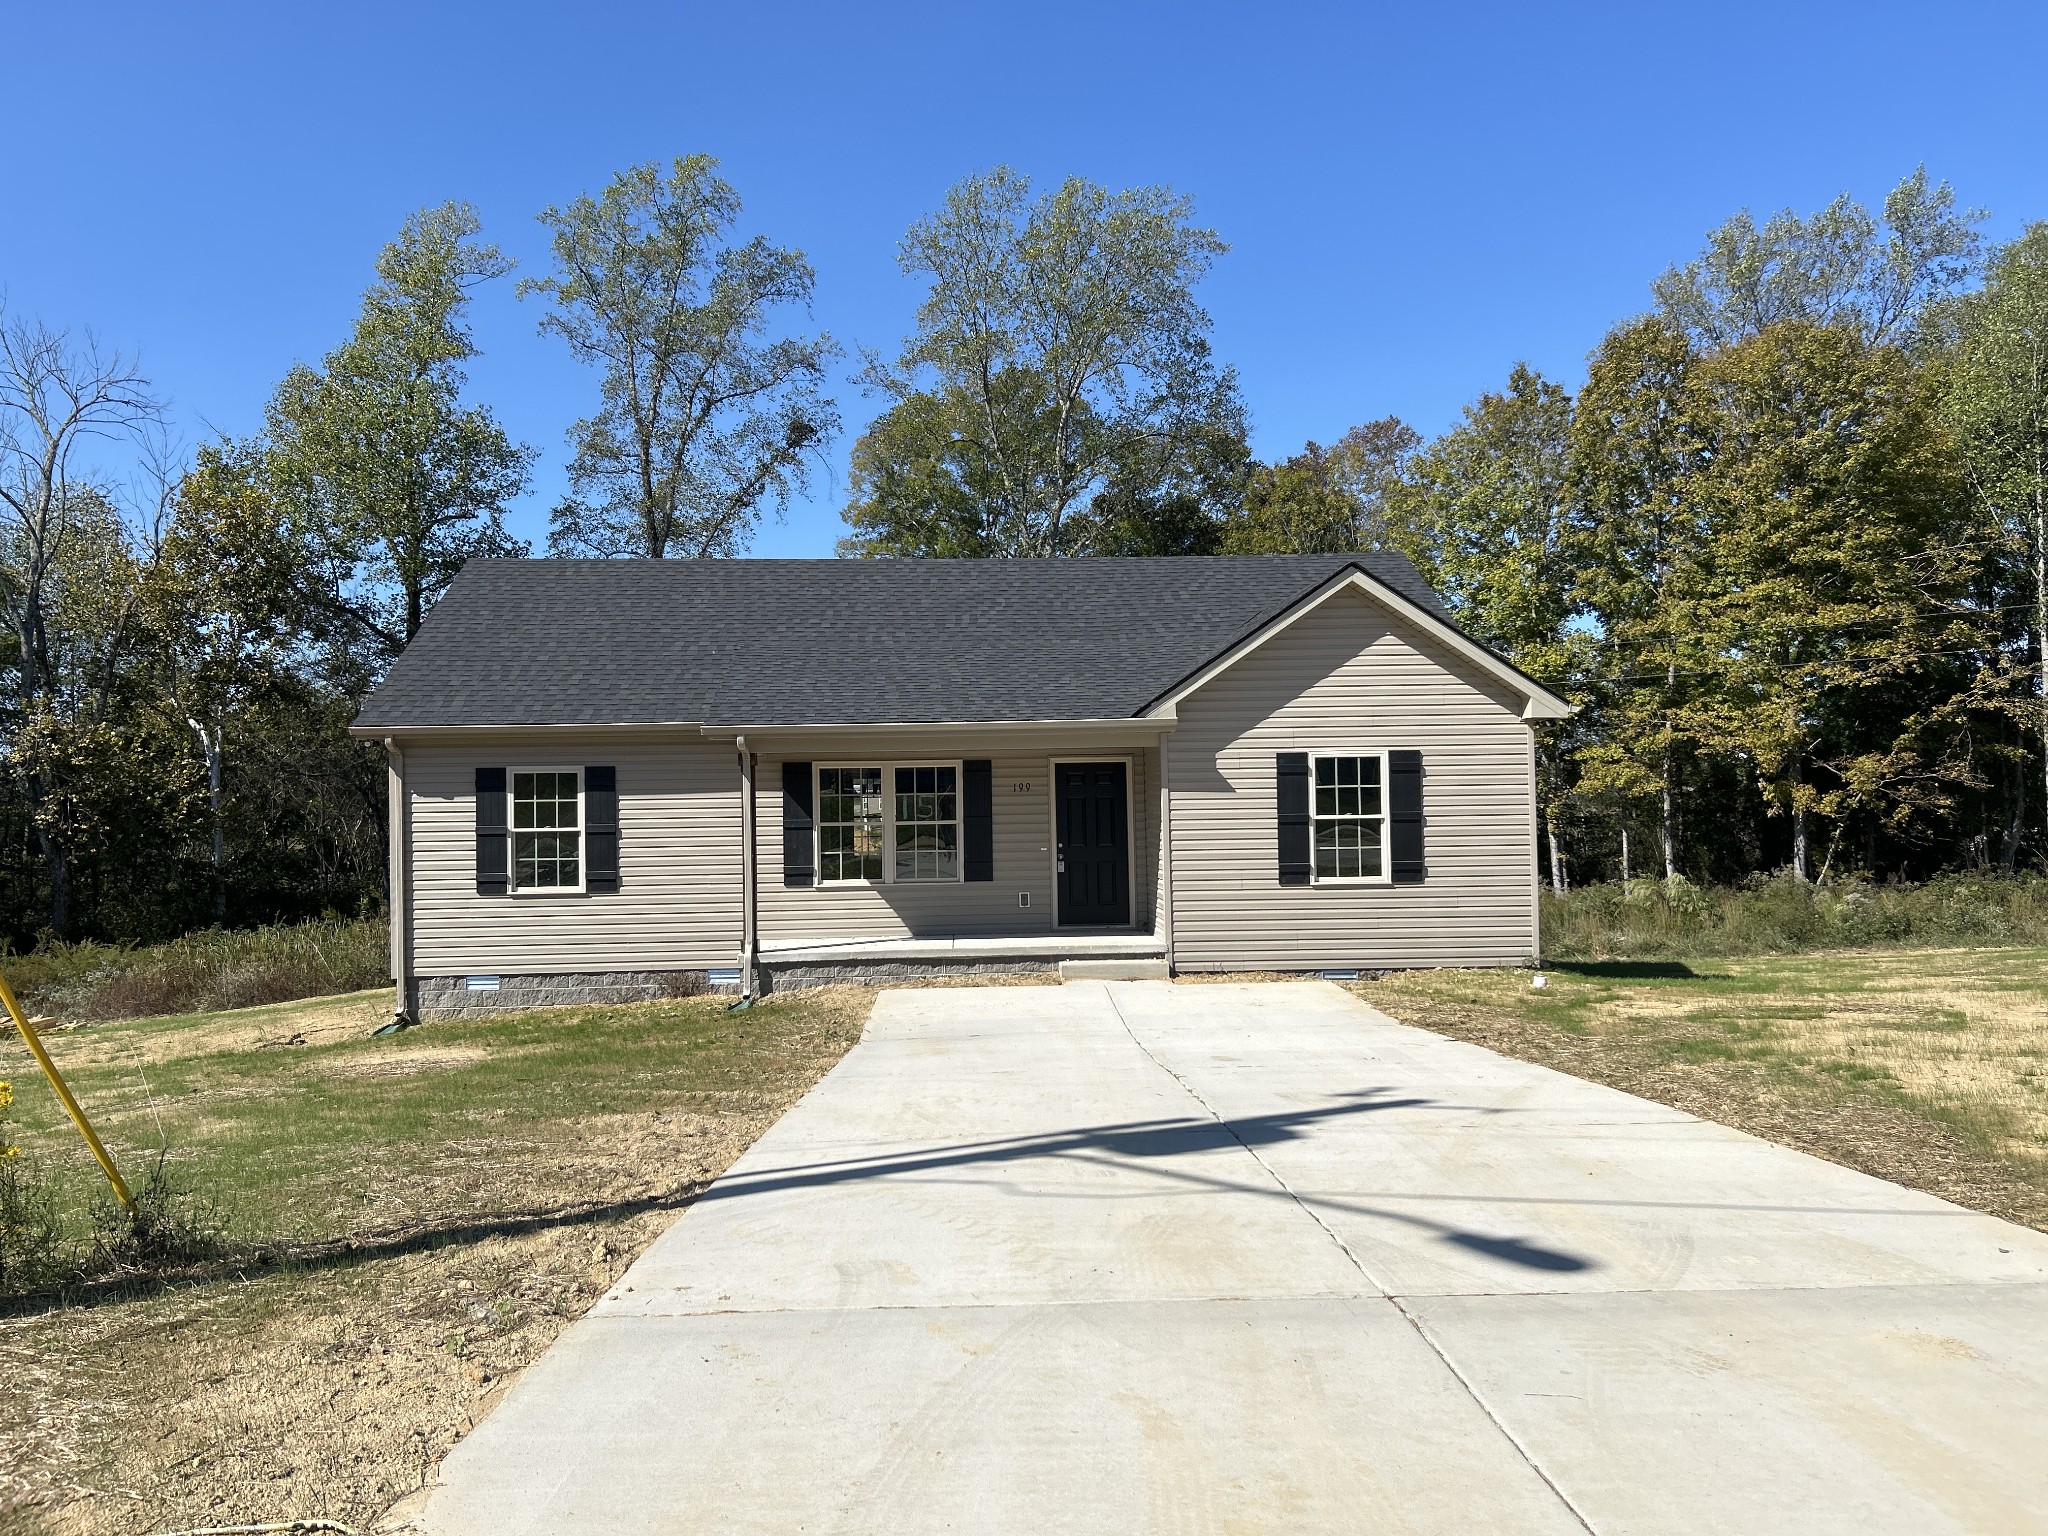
point(1020, 787)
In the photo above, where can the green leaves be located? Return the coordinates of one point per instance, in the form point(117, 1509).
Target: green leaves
point(705, 419)
point(1327, 500)
point(1058, 396)
point(388, 481)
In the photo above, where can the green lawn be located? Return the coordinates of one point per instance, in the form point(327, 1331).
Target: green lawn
point(1928, 1066)
point(410, 1219)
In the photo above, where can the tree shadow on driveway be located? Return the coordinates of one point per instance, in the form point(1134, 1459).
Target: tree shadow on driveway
point(1155, 1144)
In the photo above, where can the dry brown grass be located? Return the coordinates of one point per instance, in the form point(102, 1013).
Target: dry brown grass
point(490, 1195)
point(1927, 1067)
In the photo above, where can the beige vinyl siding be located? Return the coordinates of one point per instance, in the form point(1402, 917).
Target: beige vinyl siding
point(1348, 677)
point(1023, 851)
point(678, 902)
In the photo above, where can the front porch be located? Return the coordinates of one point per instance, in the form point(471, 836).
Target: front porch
point(958, 947)
point(821, 961)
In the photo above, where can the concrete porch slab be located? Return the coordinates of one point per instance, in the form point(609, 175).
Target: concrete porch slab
point(961, 947)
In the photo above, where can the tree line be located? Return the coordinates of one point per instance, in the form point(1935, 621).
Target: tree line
point(1784, 546)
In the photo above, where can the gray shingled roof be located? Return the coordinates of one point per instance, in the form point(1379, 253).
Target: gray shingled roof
point(792, 642)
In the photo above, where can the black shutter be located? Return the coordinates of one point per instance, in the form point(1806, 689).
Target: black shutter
point(493, 837)
point(600, 829)
point(799, 846)
point(1290, 770)
point(978, 819)
point(1404, 817)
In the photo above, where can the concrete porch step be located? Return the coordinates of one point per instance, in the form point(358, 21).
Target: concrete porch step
point(1113, 970)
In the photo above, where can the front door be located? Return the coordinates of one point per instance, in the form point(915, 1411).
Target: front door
point(1094, 845)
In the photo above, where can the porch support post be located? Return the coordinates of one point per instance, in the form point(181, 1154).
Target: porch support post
point(1165, 900)
point(1535, 859)
point(398, 824)
point(748, 877)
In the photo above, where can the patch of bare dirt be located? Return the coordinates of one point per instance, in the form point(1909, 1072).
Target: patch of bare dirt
point(329, 1381)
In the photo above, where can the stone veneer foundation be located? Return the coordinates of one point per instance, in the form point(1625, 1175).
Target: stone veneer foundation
point(447, 997)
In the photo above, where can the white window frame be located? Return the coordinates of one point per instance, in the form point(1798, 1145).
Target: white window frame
point(582, 830)
point(888, 767)
point(1386, 818)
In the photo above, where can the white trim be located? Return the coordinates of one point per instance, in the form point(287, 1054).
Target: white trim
point(1386, 874)
point(559, 728)
point(1535, 859)
point(399, 809)
point(1162, 899)
point(888, 766)
point(1539, 703)
point(1133, 726)
point(1052, 797)
point(750, 879)
point(773, 735)
point(513, 829)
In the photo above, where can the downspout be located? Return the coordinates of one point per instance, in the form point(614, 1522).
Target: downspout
point(1165, 858)
point(748, 882)
point(401, 883)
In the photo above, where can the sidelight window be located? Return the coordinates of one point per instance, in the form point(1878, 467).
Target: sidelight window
point(1350, 818)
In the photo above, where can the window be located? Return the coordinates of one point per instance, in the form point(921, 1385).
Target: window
point(928, 823)
point(547, 835)
point(849, 824)
point(910, 833)
point(1350, 818)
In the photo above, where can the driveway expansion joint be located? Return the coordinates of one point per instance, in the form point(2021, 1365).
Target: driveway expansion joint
point(1436, 1348)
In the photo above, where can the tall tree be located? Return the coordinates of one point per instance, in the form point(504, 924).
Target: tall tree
point(387, 479)
point(224, 613)
point(1839, 267)
point(1059, 358)
point(1327, 500)
point(65, 584)
point(705, 415)
point(1837, 585)
point(1487, 515)
point(1635, 447)
point(1997, 402)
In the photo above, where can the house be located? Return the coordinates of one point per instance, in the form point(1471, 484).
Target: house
point(611, 779)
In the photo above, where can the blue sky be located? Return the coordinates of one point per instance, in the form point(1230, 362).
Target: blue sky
point(1415, 196)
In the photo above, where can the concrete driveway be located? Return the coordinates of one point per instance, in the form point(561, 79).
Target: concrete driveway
point(1133, 1257)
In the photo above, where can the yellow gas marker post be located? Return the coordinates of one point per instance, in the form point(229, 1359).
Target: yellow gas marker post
point(35, 1049)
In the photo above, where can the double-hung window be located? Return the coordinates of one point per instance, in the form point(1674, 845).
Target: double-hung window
point(1350, 818)
point(547, 829)
point(896, 823)
point(849, 824)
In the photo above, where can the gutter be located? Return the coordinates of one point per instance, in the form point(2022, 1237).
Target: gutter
point(1116, 725)
point(1084, 726)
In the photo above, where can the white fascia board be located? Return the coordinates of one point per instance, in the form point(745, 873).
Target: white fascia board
point(597, 728)
point(1121, 725)
point(1538, 702)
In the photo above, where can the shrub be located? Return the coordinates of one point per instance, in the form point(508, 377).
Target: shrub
point(1653, 918)
point(218, 968)
point(173, 1223)
point(31, 1231)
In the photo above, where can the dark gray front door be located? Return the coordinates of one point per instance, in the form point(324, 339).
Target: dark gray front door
point(1095, 845)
